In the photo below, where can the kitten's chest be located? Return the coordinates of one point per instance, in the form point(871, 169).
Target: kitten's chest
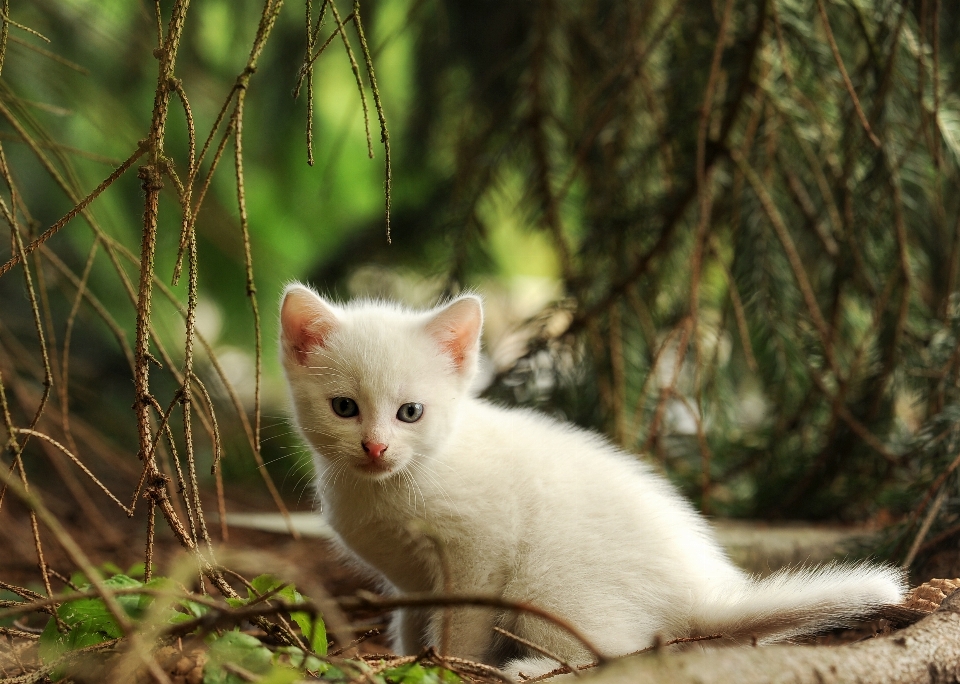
point(387, 533)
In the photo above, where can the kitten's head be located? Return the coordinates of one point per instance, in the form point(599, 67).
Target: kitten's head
point(375, 387)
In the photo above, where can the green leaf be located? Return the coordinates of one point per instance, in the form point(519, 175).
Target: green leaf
point(295, 658)
point(109, 568)
point(416, 673)
point(8, 596)
point(281, 675)
point(263, 584)
point(238, 648)
point(51, 646)
point(88, 620)
point(313, 630)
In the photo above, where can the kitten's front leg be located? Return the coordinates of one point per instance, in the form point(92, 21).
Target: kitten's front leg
point(469, 632)
point(408, 631)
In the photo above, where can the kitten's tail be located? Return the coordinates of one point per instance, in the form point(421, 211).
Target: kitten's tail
point(790, 603)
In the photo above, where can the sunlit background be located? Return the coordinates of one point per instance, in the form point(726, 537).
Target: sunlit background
point(741, 263)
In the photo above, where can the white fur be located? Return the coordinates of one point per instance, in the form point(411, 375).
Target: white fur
point(525, 507)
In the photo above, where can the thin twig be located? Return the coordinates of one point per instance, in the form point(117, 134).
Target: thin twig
point(539, 649)
point(846, 78)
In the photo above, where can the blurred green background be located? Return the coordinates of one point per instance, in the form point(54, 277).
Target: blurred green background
point(719, 257)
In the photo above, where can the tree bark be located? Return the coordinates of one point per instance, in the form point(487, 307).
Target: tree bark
point(928, 651)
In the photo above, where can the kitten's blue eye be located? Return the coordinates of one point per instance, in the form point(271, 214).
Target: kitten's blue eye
point(345, 407)
point(410, 413)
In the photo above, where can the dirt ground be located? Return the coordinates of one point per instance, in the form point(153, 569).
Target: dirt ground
point(312, 564)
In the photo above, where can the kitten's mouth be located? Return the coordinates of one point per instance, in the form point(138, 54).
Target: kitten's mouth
point(374, 467)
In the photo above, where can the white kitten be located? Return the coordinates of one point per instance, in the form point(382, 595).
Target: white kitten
point(526, 508)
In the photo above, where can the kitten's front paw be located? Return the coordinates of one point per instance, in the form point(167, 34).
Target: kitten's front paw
point(525, 669)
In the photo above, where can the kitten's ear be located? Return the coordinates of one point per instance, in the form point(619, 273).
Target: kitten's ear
point(306, 321)
point(456, 327)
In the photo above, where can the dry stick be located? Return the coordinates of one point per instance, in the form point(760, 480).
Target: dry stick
point(111, 248)
point(181, 482)
point(70, 215)
point(57, 147)
point(35, 504)
point(539, 649)
point(309, 64)
point(935, 487)
point(217, 470)
point(7, 20)
point(684, 327)
point(177, 86)
point(26, 397)
point(843, 72)
point(88, 508)
point(793, 257)
point(356, 68)
point(859, 428)
point(673, 218)
point(94, 303)
point(189, 213)
point(37, 602)
point(367, 674)
point(67, 337)
point(925, 528)
point(651, 375)
point(228, 386)
point(540, 146)
point(78, 462)
point(738, 311)
point(366, 599)
point(11, 430)
point(306, 69)
point(903, 253)
point(705, 201)
point(152, 182)
point(384, 133)
point(151, 531)
point(31, 293)
point(805, 203)
point(617, 370)
point(309, 76)
point(50, 55)
point(186, 390)
point(267, 20)
point(648, 649)
point(813, 162)
point(634, 62)
point(52, 359)
point(248, 266)
point(473, 669)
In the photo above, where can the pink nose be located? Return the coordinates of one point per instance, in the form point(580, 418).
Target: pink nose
point(374, 450)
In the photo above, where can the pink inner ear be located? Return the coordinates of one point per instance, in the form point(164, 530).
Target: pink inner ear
point(306, 322)
point(457, 330)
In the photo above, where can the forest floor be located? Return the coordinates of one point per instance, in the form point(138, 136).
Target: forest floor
point(314, 566)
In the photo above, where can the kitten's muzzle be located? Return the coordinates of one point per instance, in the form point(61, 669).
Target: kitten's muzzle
point(376, 463)
point(374, 450)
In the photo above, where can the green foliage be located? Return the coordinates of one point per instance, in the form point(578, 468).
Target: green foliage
point(88, 621)
point(232, 655)
point(312, 627)
point(417, 673)
point(239, 649)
